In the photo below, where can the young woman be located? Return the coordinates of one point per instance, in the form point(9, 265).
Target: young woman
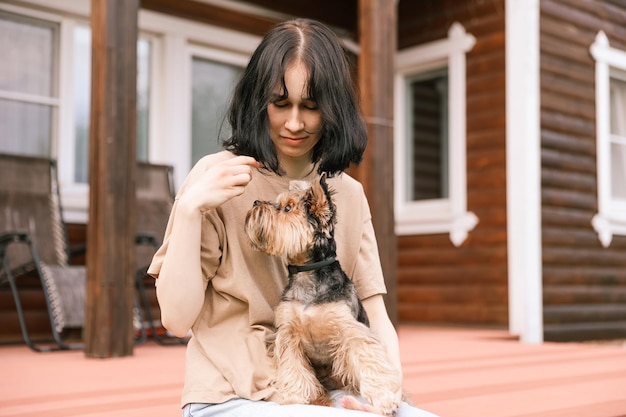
point(294, 115)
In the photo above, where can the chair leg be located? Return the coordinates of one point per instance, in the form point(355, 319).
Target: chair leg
point(145, 303)
point(37, 347)
point(57, 341)
point(143, 335)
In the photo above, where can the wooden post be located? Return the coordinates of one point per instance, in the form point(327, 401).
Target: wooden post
point(377, 28)
point(112, 163)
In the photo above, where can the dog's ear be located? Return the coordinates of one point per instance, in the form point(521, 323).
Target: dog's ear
point(320, 205)
point(298, 185)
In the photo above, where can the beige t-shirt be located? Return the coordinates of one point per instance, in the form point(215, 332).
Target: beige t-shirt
point(226, 356)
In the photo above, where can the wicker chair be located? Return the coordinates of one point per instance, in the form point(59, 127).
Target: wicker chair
point(34, 251)
point(155, 196)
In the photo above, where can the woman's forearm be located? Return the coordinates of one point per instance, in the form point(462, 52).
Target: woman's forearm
point(180, 286)
point(383, 328)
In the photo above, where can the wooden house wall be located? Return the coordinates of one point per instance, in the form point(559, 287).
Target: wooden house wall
point(584, 283)
point(438, 282)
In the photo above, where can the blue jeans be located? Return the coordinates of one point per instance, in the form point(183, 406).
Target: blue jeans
point(247, 408)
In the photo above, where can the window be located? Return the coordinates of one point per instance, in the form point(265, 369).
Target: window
point(186, 71)
point(430, 175)
point(428, 137)
point(82, 97)
point(212, 84)
point(610, 139)
point(29, 101)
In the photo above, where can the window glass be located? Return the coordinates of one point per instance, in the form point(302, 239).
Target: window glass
point(82, 94)
point(82, 105)
point(28, 47)
point(25, 128)
point(618, 138)
point(428, 147)
point(144, 52)
point(212, 85)
point(28, 96)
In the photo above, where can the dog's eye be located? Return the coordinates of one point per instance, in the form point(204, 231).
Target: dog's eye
point(287, 208)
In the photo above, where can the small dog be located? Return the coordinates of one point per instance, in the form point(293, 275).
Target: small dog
point(322, 340)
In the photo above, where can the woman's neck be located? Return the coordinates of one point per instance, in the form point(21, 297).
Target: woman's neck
point(295, 169)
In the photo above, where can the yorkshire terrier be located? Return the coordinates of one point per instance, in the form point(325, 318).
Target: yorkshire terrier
point(323, 341)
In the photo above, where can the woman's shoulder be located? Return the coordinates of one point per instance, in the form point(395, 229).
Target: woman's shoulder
point(344, 183)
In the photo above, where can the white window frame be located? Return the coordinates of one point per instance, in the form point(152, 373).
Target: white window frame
point(174, 40)
point(611, 217)
point(58, 103)
point(211, 54)
point(180, 39)
point(446, 215)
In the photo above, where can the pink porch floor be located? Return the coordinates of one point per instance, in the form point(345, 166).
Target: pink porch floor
point(449, 371)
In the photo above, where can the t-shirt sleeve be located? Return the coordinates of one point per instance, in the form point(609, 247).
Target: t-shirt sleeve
point(368, 274)
point(211, 226)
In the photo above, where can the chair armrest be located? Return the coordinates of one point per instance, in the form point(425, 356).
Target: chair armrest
point(77, 250)
point(146, 239)
point(7, 238)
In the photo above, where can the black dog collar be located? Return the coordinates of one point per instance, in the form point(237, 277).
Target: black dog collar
point(294, 269)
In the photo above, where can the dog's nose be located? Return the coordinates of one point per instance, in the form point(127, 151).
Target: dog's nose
point(256, 203)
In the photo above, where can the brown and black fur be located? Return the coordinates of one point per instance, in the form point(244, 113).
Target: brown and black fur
point(322, 339)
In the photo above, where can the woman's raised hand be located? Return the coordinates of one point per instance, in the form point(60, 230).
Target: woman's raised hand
point(219, 183)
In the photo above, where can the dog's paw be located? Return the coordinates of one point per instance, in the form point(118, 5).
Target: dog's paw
point(388, 406)
point(304, 390)
point(385, 402)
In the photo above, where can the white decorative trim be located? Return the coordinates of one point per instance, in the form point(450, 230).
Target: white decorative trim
point(448, 215)
point(611, 218)
point(523, 172)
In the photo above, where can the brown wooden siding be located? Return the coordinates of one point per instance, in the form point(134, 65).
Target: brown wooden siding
point(437, 282)
point(584, 283)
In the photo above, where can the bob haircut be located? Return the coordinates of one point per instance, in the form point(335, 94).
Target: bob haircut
point(343, 132)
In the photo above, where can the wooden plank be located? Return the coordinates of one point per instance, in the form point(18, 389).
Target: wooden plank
point(568, 198)
point(451, 275)
point(568, 161)
point(440, 256)
point(587, 256)
point(560, 27)
point(494, 62)
point(377, 28)
point(584, 294)
point(470, 314)
point(491, 177)
point(580, 313)
point(594, 15)
point(342, 14)
point(108, 328)
point(566, 216)
point(568, 88)
point(574, 180)
point(422, 22)
point(593, 275)
point(551, 64)
point(560, 97)
point(486, 101)
point(455, 293)
point(212, 15)
point(552, 236)
point(571, 143)
point(478, 83)
point(485, 139)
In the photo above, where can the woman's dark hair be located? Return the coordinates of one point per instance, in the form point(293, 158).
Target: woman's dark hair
point(330, 85)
